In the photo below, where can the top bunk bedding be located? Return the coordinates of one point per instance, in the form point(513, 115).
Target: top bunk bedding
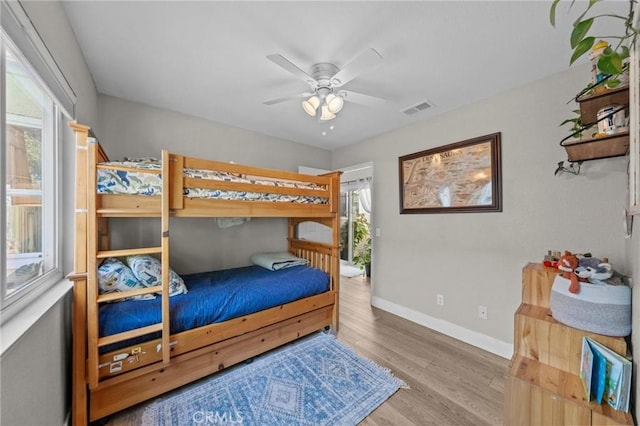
point(214, 297)
point(142, 177)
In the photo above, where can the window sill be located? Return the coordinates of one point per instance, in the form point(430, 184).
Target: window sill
point(19, 324)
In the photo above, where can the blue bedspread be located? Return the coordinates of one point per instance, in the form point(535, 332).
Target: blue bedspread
point(215, 297)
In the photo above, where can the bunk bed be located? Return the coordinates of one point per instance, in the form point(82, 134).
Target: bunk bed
point(113, 371)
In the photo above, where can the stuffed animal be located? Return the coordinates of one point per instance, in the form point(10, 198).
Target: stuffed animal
point(594, 274)
point(567, 264)
point(600, 273)
point(587, 261)
point(583, 273)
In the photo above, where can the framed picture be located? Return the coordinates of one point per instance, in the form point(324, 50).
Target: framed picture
point(462, 177)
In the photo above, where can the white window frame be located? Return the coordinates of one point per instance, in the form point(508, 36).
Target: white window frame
point(634, 120)
point(51, 199)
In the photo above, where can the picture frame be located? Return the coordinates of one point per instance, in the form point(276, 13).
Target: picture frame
point(462, 177)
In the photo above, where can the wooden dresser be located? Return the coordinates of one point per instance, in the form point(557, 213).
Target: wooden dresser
point(543, 386)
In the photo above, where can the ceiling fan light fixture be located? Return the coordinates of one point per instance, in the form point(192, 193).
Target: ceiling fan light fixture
point(311, 105)
point(326, 114)
point(334, 103)
point(325, 82)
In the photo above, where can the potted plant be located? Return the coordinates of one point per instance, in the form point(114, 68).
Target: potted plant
point(362, 243)
point(360, 228)
point(609, 56)
point(360, 231)
point(576, 134)
point(611, 60)
point(362, 255)
point(576, 124)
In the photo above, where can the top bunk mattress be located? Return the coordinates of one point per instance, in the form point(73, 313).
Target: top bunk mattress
point(214, 297)
point(119, 181)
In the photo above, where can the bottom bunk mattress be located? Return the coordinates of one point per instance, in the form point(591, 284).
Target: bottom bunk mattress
point(213, 297)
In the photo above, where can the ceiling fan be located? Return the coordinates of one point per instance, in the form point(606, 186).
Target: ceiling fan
point(326, 80)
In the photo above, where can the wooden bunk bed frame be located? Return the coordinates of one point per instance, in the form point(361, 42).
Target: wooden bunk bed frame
point(106, 383)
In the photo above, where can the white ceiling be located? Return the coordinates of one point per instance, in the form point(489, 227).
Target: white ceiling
point(208, 59)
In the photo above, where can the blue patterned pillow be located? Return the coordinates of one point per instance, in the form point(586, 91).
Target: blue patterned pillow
point(148, 270)
point(113, 275)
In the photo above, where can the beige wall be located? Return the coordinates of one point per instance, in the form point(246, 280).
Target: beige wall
point(35, 371)
point(134, 130)
point(476, 259)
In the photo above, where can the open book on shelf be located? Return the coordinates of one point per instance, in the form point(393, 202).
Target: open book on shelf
point(606, 375)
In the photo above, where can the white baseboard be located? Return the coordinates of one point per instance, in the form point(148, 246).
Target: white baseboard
point(474, 338)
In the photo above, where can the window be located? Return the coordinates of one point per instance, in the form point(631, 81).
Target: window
point(31, 121)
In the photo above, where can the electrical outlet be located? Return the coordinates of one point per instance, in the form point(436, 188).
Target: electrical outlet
point(440, 300)
point(483, 312)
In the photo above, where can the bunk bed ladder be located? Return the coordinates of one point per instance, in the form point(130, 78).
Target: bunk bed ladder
point(95, 254)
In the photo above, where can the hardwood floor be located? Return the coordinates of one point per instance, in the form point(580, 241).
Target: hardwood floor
point(450, 382)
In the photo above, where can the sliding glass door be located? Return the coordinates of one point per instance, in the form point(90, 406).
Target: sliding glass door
point(354, 218)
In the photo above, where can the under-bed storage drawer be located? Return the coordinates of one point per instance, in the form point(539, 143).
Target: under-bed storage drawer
point(118, 393)
point(143, 354)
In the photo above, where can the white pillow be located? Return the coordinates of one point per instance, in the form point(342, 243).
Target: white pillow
point(148, 270)
point(277, 260)
point(113, 276)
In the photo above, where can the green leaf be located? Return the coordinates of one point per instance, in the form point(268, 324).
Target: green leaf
point(612, 83)
point(552, 12)
point(580, 31)
point(582, 48)
point(591, 3)
point(570, 120)
point(610, 64)
point(624, 52)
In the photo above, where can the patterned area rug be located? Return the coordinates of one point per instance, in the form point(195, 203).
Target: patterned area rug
point(314, 381)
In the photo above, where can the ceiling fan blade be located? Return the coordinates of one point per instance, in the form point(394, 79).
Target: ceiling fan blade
point(289, 98)
point(292, 68)
point(365, 61)
point(361, 98)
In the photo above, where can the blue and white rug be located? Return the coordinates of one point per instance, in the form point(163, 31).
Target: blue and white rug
point(314, 381)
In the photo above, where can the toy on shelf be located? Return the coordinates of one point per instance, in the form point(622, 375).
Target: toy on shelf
point(593, 270)
point(596, 275)
point(551, 259)
point(589, 269)
point(567, 264)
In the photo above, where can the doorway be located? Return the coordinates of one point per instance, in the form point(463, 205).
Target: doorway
point(355, 223)
point(356, 215)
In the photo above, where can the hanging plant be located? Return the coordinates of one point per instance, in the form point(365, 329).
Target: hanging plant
point(576, 124)
point(616, 47)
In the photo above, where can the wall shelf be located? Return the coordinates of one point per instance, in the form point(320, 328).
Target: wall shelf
point(591, 104)
point(613, 145)
point(594, 149)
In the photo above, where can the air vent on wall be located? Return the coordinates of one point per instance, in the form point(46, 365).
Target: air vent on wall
point(424, 105)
